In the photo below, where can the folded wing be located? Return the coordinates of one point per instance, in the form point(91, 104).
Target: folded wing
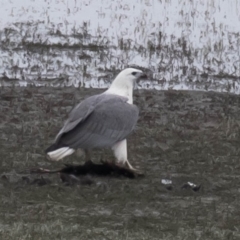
point(99, 121)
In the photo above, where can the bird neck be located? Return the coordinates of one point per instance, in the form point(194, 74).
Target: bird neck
point(124, 90)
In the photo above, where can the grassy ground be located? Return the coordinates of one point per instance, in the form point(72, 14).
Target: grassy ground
point(181, 136)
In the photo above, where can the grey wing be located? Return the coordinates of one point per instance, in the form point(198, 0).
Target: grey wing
point(112, 120)
point(79, 114)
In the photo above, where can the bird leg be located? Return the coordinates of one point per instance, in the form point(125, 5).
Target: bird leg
point(120, 153)
point(128, 165)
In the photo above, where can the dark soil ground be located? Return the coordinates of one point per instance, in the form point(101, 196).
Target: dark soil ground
point(181, 136)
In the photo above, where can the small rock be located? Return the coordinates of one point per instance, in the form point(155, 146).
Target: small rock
point(167, 183)
point(191, 185)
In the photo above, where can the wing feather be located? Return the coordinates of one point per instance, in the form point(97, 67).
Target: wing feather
point(108, 119)
point(79, 114)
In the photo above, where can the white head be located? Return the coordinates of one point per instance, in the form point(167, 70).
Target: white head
point(124, 82)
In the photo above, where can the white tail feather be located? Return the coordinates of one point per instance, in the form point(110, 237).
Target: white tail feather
point(60, 153)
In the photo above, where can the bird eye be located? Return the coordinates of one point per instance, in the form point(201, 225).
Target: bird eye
point(134, 73)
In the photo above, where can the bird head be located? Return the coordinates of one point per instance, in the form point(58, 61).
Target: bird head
point(128, 77)
point(125, 81)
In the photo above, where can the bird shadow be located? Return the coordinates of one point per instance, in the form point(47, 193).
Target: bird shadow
point(70, 173)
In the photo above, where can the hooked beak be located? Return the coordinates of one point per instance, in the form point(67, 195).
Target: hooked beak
point(142, 76)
